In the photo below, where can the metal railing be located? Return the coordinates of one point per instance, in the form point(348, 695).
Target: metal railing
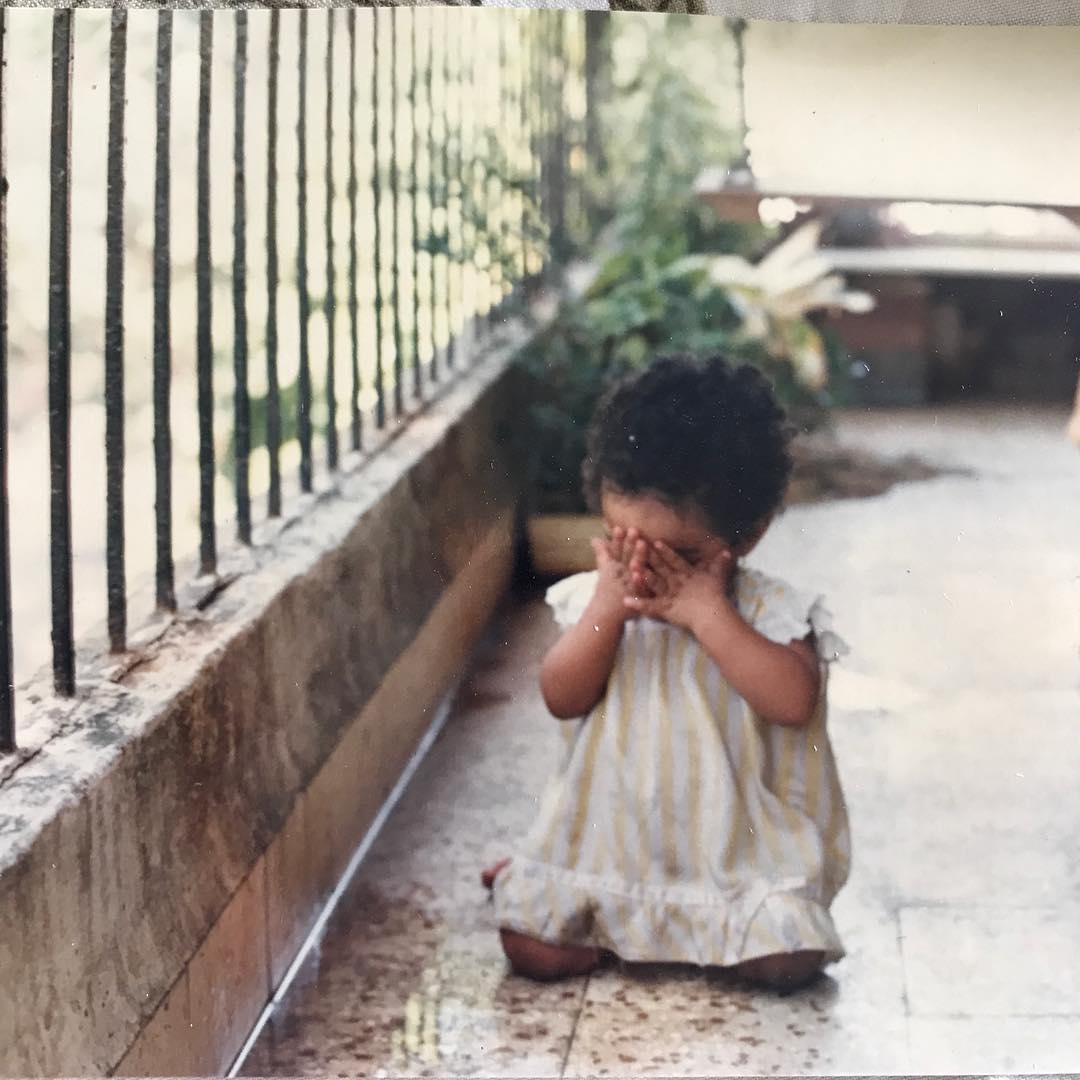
point(475, 130)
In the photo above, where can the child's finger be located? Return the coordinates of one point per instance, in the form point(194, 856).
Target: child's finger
point(670, 559)
point(643, 605)
point(617, 543)
point(658, 565)
point(639, 583)
point(600, 550)
point(656, 584)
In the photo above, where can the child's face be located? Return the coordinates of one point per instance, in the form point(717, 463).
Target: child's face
point(684, 532)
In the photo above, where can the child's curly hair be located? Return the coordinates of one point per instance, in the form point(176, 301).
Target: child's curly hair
point(696, 434)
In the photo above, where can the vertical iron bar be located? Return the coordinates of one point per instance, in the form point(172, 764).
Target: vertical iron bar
point(543, 108)
point(415, 199)
point(395, 267)
point(560, 146)
point(354, 322)
point(462, 187)
point(481, 88)
point(549, 138)
point(448, 187)
point(581, 149)
point(525, 142)
point(470, 251)
point(536, 180)
point(376, 193)
point(504, 114)
point(433, 296)
point(536, 114)
point(241, 403)
point(329, 304)
point(114, 340)
point(273, 393)
point(7, 666)
point(60, 354)
point(204, 288)
point(303, 405)
point(491, 174)
point(521, 143)
point(165, 574)
point(482, 110)
point(490, 97)
point(549, 129)
point(575, 130)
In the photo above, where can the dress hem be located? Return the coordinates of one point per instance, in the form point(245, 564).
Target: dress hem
point(647, 924)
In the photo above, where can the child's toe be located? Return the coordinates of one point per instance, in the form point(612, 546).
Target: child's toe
point(487, 878)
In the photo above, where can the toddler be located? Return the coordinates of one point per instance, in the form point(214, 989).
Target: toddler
point(696, 815)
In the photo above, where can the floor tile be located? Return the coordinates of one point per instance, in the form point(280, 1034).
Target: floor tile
point(407, 998)
point(1018, 962)
point(981, 1045)
point(682, 1023)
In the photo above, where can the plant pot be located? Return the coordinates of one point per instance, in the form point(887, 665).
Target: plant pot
point(559, 543)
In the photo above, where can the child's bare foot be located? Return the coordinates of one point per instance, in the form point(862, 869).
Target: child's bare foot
point(546, 963)
point(783, 972)
point(487, 878)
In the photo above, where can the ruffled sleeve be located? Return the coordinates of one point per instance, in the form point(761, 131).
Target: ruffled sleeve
point(570, 597)
point(784, 614)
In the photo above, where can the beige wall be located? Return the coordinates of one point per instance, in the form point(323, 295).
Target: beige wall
point(987, 112)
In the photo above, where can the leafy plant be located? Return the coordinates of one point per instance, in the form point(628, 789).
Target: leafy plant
point(658, 289)
point(647, 299)
point(777, 296)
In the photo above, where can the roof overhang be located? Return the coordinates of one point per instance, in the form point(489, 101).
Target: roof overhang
point(965, 261)
point(740, 202)
point(904, 12)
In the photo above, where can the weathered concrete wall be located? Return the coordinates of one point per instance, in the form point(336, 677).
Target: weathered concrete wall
point(160, 864)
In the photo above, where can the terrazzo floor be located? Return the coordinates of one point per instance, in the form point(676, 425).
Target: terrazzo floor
point(955, 721)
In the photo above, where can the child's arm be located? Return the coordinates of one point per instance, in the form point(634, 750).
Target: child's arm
point(575, 671)
point(779, 682)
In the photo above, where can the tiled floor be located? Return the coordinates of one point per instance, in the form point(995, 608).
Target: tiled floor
point(956, 726)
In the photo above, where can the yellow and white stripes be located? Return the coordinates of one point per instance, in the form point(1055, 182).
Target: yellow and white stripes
point(681, 827)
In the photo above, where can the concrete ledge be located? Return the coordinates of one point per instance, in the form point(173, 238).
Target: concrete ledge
point(162, 857)
point(245, 956)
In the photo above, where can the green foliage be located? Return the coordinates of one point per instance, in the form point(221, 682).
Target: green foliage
point(289, 400)
point(646, 300)
point(652, 293)
point(667, 120)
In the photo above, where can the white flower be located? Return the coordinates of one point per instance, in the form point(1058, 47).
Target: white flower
point(774, 295)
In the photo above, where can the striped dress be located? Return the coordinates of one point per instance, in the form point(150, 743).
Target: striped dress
point(679, 827)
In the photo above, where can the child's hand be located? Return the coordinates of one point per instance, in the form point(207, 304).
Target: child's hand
point(616, 559)
point(679, 593)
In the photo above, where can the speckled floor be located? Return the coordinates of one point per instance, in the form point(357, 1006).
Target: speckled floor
point(955, 722)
